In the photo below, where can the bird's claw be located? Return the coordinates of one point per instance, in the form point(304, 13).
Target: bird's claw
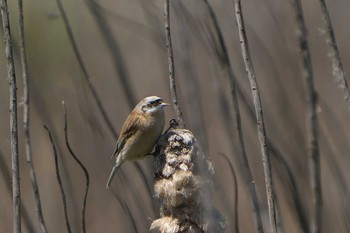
point(172, 125)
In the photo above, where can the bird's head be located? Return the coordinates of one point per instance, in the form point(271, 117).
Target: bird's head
point(151, 105)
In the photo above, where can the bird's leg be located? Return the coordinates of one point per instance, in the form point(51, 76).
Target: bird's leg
point(172, 125)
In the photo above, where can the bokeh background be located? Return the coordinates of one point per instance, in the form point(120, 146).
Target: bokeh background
point(125, 39)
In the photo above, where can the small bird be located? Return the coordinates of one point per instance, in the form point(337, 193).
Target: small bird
point(140, 132)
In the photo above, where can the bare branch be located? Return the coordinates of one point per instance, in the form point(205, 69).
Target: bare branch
point(189, 64)
point(86, 173)
point(6, 176)
point(259, 116)
point(16, 194)
point(248, 178)
point(171, 64)
point(294, 190)
point(26, 120)
point(58, 176)
point(275, 152)
point(313, 147)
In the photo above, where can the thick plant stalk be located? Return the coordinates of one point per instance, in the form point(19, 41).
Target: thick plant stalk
point(313, 147)
point(172, 65)
point(26, 120)
point(245, 168)
point(16, 194)
point(183, 187)
point(338, 71)
point(259, 117)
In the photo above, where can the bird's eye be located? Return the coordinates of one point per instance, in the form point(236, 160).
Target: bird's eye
point(154, 102)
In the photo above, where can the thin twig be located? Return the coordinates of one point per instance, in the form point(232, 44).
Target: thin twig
point(188, 59)
point(16, 194)
point(86, 173)
point(313, 147)
point(169, 46)
point(294, 190)
point(26, 119)
point(6, 176)
point(84, 70)
point(338, 71)
point(58, 176)
point(279, 224)
point(248, 178)
point(275, 152)
point(259, 116)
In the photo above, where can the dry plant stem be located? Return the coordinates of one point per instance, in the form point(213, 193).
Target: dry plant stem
point(192, 77)
point(294, 190)
point(16, 194)
point(301, 213)
point(86, 173)
point(313, 147)
point(26, 122)
point(58, 176)
point(84, 70)
point(238, 127)
point(169, 46)
point(6, 176)
point(259, 117)
point(338, 70)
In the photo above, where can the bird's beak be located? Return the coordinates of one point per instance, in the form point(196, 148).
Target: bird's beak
point(164, 104)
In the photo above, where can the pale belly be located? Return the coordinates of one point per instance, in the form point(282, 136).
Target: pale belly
point(141, 147)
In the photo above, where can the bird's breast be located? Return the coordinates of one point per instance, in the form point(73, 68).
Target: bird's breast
point(142, 144)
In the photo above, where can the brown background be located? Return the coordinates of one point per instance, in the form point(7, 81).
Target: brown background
point(137, 25)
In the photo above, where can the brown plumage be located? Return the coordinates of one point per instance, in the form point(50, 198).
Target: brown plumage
point(140, 132)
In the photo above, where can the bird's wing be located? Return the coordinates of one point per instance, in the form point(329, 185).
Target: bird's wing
point(132, 124)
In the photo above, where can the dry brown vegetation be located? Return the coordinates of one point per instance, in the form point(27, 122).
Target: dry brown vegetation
point(115, 51)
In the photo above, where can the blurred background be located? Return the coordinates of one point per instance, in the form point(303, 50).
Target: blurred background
point(122, 46)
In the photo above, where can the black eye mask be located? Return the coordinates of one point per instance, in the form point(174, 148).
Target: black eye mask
point(155, 103)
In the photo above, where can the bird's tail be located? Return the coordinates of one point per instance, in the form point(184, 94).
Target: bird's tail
point(115, 151)
point(114, 170)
